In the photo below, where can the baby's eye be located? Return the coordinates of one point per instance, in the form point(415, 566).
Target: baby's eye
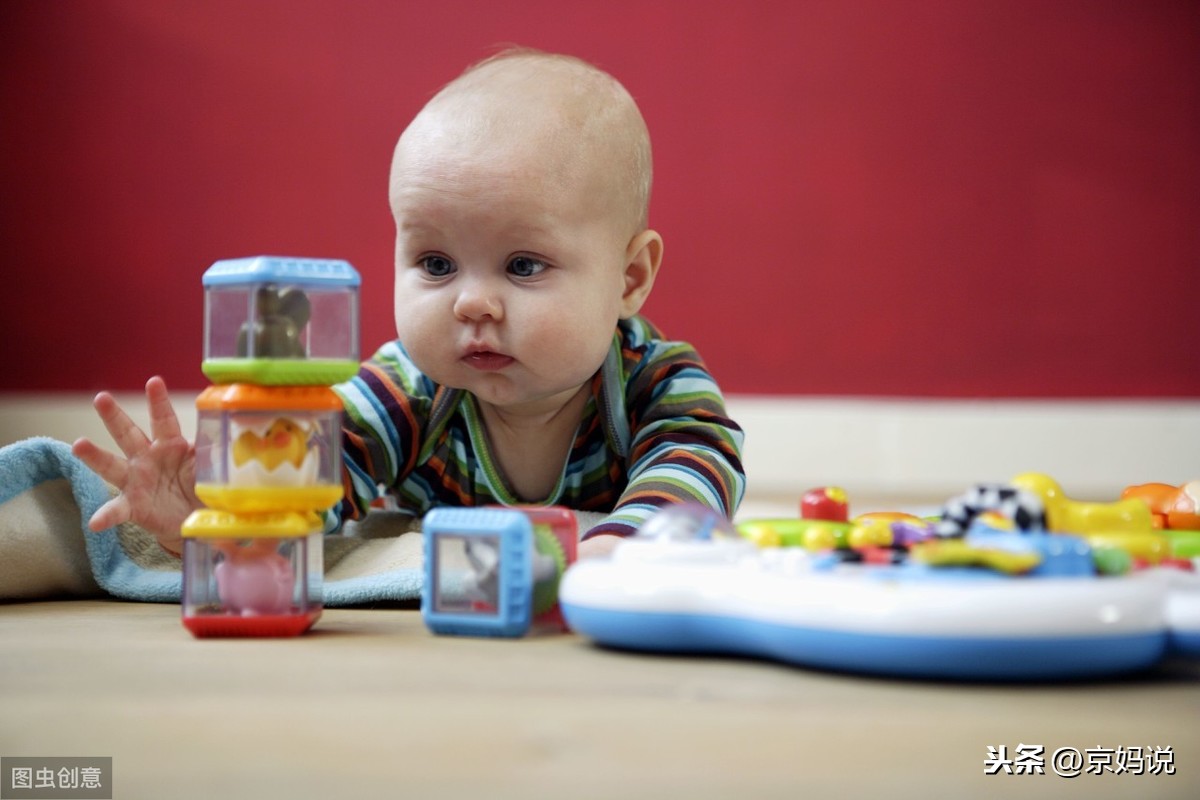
point(525, 266)
point(436, 266)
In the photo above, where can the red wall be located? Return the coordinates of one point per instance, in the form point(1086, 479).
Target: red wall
point(868, 197)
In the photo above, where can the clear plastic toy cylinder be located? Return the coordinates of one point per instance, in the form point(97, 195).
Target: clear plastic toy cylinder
point(268, 448)
point(281, 321)
point(247, 583)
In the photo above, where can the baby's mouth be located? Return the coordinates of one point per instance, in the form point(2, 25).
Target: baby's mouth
point(487, 360)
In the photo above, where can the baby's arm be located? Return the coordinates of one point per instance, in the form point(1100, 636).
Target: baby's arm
point(156, 479)
point(684, 448)
point(386, 404)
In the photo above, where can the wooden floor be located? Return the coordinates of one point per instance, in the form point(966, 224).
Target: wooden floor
point(369, 704)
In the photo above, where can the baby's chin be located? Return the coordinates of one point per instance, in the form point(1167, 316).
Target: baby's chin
point(513, 394)
point(515, 386)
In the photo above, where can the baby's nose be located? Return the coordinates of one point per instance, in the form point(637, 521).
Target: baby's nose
point(477, 300)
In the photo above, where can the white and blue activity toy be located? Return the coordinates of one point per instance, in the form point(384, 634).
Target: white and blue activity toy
point(689, 583)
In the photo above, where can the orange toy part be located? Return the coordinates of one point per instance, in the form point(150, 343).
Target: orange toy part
point(249, 397)
point(887, 516)
point(1173, 507)
point(1155, 495)
point(1183, 513)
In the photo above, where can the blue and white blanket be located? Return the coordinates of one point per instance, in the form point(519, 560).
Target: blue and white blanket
point(47, 496)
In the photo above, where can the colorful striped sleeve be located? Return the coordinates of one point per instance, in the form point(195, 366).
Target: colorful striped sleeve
point(683, 446)
point(386, 407)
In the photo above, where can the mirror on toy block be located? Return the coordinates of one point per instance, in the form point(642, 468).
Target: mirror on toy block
point(495, 571)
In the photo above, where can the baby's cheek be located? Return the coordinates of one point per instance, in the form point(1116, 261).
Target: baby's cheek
point(417, 333)
point(578, 342)
point(425, 353)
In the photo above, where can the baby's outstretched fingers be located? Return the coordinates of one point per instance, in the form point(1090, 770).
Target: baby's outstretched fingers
point(114, 512)
point(109, 467)
point(155, 480)
point(164, 423)
point(128, 436)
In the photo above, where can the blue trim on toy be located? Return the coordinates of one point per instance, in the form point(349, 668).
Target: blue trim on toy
point(276, 269)
point(514, 535)
point(971, 658)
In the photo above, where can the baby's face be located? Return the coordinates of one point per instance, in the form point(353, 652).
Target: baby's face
point(509, 273)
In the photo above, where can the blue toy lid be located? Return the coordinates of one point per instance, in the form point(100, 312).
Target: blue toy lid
point(277, 269)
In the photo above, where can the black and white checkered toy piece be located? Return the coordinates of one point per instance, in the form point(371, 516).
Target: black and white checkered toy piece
point(1024, 509)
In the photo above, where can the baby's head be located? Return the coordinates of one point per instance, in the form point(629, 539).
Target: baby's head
point(520, 194)
point(563, 119)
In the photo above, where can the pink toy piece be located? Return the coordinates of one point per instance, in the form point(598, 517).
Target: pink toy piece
point(251, 582)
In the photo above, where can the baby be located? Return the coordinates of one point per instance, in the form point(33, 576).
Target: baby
point(522, 373)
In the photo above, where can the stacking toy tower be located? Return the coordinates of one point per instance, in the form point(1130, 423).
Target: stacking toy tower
point(277, 333)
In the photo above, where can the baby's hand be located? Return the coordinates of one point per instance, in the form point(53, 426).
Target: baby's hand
point(598, 546)
point(157, 476)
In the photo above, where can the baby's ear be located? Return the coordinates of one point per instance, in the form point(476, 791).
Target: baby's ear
point(642, 259)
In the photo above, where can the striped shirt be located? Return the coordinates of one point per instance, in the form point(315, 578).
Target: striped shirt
point(654, 431)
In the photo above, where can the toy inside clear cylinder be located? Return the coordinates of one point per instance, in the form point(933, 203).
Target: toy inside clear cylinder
point(268, 448)
point(281, 321)
point(251, 575)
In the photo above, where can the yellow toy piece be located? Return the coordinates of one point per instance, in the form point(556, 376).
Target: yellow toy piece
point(284, 441)
point(763, 532)
point(789, 532)
point(868, 531)
point(262, 499)
point(872, 529)
point(209, 523)
point(1065, 515)
point(822, 535)
point(887, 516)
point(958, 553)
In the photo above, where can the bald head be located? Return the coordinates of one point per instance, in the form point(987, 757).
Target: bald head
point(541, 117)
